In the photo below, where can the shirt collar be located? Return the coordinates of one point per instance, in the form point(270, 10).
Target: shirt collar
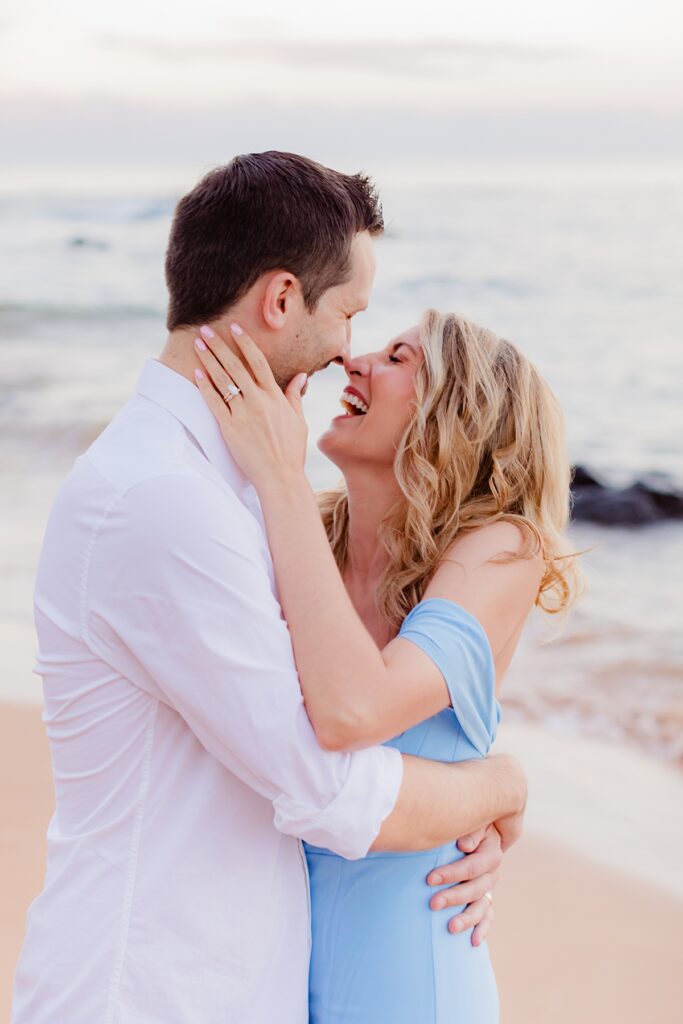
point(173, 392)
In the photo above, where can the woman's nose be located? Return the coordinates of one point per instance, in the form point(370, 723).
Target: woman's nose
point(359, 366)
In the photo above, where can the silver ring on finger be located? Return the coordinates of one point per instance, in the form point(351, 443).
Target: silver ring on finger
point(489, 897)
point(232, 392)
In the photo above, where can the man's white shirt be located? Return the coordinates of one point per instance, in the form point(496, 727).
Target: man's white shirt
point(185, 766)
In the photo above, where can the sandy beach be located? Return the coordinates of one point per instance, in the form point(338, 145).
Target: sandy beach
point(574, 940)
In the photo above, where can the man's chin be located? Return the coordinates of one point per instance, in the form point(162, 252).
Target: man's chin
point(316, 369)
point(321, 367)
point(301, 369)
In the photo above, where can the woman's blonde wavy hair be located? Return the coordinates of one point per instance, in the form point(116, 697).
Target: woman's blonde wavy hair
point(486, 443)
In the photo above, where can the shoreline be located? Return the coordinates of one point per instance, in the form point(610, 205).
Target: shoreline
point(604, 800)
point(575, 937)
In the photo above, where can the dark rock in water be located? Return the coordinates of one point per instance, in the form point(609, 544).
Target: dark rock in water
point(79, 242)
point(583, 478)
point(652, 499)
point(613, 507)
point(665, 496)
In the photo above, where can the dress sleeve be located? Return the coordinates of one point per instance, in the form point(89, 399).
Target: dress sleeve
point(458, 646)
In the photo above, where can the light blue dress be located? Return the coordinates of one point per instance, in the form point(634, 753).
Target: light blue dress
point(380, 955)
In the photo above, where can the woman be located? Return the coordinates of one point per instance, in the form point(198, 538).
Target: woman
point(405, 601)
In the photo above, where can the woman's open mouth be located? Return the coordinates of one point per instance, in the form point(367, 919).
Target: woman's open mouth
point(353, 403)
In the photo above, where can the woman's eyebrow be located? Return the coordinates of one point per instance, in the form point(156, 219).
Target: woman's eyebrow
point(399, 344)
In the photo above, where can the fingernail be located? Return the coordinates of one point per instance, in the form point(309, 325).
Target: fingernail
point(435, 880)
point(198, 343)
point(236, 329)
point(438, 903)
point(198, 375)
point(207, 332)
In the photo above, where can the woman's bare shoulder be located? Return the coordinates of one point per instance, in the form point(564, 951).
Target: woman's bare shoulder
point(491, 541)
point(493, 560)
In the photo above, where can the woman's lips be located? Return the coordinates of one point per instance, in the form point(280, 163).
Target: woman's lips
point(359, 394)
point(346, 416)
point(354, 402)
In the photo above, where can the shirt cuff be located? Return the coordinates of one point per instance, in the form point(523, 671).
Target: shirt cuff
point(351, 822)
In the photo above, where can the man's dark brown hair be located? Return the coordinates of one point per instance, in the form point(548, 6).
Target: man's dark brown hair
point(264, 212)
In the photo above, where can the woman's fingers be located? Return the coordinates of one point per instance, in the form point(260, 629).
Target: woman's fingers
point(294, 394)
point(214, 401)
point(217, 356)
point(466, 892)
point(253, 357)
point(223, 381)
point(482, 929)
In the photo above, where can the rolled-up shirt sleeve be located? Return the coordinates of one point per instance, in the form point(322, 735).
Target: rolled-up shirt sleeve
point(177, 597)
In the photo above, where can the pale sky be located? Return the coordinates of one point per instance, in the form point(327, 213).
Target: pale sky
point(497, 58)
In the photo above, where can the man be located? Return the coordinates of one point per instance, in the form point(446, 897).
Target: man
point(186, 770)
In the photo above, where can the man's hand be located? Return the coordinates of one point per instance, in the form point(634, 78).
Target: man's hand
point(470, 878)
point(477, 872)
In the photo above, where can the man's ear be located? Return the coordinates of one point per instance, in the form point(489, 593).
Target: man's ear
point(281, 295)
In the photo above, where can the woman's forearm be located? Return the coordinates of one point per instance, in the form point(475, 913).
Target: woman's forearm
point(342, 672)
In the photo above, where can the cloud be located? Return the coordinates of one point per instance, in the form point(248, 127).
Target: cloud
point(419, 59)
point(102, 132)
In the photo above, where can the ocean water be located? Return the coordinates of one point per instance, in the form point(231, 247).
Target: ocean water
point(580, 265)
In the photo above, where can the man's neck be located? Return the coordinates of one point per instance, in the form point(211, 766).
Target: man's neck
point(178, 352)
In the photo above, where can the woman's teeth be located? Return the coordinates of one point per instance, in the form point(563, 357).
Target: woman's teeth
point(354, 405)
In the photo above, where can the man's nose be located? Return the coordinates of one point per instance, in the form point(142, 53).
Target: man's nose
point(345, 354)
point(346, 351)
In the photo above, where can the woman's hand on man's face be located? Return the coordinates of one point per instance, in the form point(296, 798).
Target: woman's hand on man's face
point(264, 429)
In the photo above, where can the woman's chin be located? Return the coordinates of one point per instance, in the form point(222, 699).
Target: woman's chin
point(326, 443)
point(336, 439)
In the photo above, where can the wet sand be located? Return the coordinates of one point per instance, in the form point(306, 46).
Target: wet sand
point(574, 941)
